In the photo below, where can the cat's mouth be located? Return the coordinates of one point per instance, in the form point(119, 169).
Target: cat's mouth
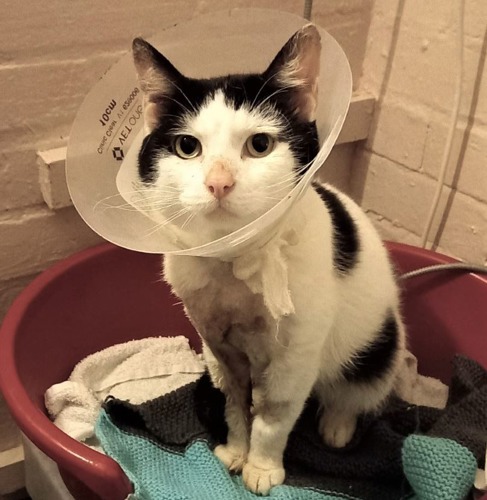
point(223, 212)
point(228, 213)
point(220, 210)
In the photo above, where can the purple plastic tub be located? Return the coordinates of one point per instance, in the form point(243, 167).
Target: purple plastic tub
point(107, 295)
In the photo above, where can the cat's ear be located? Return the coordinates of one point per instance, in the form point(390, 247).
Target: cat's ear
point(157, 77)
point(297, 68)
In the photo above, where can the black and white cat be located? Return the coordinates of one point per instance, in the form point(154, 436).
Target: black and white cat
point(219, 153)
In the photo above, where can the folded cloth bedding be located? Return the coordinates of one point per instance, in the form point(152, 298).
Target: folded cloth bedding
point(141, 370)
point(418, 389)
point(192, 474)
point(398, 455)
point(135, 371)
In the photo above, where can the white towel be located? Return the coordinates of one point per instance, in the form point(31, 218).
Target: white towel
point(418, 389)
point(137, 371)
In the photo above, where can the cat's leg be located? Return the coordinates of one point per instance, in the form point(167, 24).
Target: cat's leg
point(363, 381)
point(278, 398)
point(344, 401)
point(235, 385)
point(340, 411)
point(342, 404)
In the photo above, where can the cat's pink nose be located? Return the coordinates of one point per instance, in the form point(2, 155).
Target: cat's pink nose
point(219, 181)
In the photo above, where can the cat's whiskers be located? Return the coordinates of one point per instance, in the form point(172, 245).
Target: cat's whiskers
point(105, 205)
point(288, 180)
point(139, 208)
point(299, 171)
point(291, 178)
point(184, 95)
point(179, 103)
point(167, 221)
point(284, 186)
point(155, 208)
point(170, 115)
point(190, 217)
point(272, 198)
point(245, 92)
point(112, 196)
point(262, 88)
point(278, 91)
point(149, 201)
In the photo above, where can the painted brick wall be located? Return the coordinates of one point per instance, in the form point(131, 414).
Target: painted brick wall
point(410, 67)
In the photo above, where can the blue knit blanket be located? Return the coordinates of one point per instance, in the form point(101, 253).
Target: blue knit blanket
point(164, 447)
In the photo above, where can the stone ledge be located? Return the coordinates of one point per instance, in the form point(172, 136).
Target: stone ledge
point(11, 470)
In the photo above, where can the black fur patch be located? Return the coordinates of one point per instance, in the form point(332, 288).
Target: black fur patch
point(256, 90)
point(186, 99)
point(374, 360)
point(188, 96)
point(346, 241)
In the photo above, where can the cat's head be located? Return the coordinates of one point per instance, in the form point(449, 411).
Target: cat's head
point(220, 152)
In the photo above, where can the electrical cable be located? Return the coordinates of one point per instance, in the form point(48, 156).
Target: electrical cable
point(308, 7)
point(457, 266)
point(453, 125)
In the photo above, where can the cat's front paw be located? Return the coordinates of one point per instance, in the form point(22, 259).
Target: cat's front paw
point(233, 457)
point(260, 479)
point(337, 429)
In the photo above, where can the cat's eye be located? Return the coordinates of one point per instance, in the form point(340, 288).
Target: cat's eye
point(187, 146)
point(259, 145)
